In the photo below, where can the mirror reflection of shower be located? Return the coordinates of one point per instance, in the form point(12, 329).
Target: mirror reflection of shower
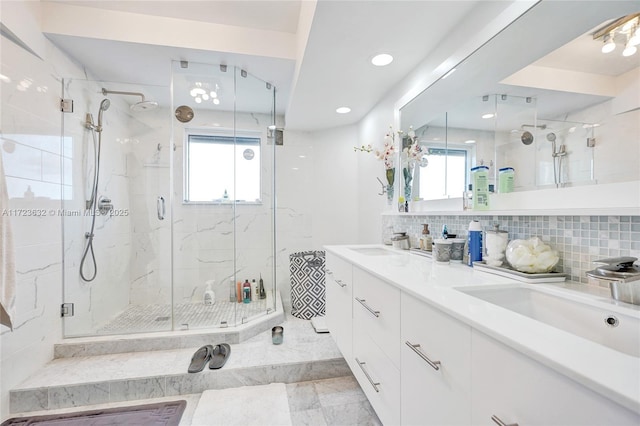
point(557, 156)
point(103, 205)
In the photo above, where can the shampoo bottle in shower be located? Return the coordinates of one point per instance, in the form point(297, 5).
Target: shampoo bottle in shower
point(239, 291)
point(254, 290)
point(246, 292)
point(209, 296)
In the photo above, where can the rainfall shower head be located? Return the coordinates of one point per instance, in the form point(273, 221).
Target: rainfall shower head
point(143, 105)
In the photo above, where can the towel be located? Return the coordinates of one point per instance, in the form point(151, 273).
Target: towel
point(7, 257)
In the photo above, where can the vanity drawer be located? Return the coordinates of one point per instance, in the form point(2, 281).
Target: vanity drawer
point(338, 313)
point(436, 366)
point(338, 269)
point(376, 312)
point(378, 378)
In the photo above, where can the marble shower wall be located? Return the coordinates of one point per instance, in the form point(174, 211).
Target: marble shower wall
point(220, 241)
point(33, 156)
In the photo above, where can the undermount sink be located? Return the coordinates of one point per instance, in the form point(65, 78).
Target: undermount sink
point(372, 251)
point(597, 323)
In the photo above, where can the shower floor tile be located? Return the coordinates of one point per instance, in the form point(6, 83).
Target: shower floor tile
point(144, 318)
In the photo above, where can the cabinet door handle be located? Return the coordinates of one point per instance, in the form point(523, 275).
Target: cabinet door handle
point(328, 271)
point(499, 422)
point(416, 349)
point(341, 283)
point(362, 302)
point(374, 384)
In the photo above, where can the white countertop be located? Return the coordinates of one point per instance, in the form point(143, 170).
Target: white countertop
point(613, 374)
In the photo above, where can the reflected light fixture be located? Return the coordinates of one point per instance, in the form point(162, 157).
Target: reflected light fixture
point(488, 115)
point(624, 31)
point(205, 92)
point(382, 59)
point(343, 110)
point(470, 141)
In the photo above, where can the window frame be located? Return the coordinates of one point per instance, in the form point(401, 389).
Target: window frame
point(220, 132)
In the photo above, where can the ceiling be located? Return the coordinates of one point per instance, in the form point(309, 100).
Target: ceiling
point(316, 54)
point(329, 67)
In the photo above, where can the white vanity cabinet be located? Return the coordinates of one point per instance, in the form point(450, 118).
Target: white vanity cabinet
point(376, 343)
point(338, 312)
point(436, 366)
point(513, 388)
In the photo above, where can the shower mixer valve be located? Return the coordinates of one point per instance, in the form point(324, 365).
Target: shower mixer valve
point(104, 205)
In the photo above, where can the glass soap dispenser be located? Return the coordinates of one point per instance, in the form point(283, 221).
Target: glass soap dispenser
point(426, 240)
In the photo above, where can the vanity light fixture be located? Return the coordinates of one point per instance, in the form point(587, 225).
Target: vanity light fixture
point(488, 115)
point(470, 141)
point(624, 31)
point(382, 59)
point(343, 110)
point(609, 45)
point(629, 50)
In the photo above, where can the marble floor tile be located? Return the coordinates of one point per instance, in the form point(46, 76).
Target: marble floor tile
point(302, 396)
point(356, 414)
point(245, 406)
point(339, 391)
point(313, 417)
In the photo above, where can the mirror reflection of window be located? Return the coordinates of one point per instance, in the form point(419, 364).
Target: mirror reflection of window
point(452, 163)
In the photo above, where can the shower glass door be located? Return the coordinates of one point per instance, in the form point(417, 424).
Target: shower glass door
point(117, 249)
point(223, 196)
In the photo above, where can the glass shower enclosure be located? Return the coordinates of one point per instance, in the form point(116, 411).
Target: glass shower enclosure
point(168, 212)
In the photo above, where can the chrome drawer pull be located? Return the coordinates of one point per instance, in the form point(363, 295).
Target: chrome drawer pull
point(375, 313)
point(499, 422)
point(375, 385)
point(416, 349)
point(341, 283)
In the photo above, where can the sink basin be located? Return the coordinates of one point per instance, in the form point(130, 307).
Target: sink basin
point(373, 251)
point(597, 323)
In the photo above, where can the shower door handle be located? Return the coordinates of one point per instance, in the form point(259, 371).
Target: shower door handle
point(161, 208)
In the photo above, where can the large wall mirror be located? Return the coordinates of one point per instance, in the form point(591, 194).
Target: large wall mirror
point(540, 97)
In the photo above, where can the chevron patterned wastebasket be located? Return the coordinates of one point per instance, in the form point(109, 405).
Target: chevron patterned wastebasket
point(307, 284)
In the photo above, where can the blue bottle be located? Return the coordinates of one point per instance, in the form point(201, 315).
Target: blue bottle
point(475, 242)
point(445, 232)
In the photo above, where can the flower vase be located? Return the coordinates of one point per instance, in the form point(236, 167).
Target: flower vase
point(391, 177)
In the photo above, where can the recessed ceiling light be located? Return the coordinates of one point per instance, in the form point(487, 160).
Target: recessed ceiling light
point(489, 115)
point(382, 59)
point(343, 110)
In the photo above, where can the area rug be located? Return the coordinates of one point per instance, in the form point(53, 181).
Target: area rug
point(244, 406)
point(160, 414)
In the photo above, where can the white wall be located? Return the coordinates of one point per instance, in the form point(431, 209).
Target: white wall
point(317, 194)
point(32, 158)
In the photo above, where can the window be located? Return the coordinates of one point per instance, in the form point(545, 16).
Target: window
point(451, 163)
point(221, 168)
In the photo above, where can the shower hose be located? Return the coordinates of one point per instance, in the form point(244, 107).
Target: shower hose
point(88, 249)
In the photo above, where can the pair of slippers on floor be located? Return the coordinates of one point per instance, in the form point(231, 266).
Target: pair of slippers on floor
point(216, 356)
